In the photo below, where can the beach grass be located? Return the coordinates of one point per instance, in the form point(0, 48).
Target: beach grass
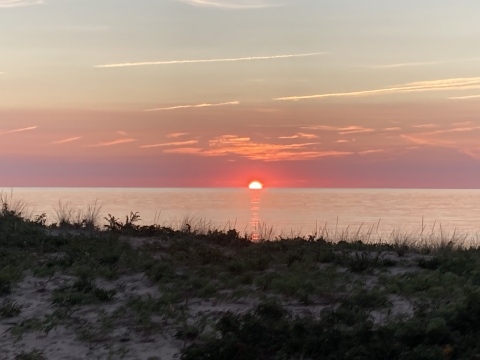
point(134, 291)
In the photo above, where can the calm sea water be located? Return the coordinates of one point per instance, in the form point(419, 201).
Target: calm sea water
point(286, 210)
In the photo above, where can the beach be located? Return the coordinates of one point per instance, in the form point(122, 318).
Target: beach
point(132, 291)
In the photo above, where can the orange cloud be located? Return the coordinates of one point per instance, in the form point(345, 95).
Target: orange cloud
point(244, 146)
point(114, 142)
point(342, 130)
point(183, 151)
point(366, 152)
point(418, 139)
point(176, 135)
point(300, 135)
point(177, 143)
point(424, 126)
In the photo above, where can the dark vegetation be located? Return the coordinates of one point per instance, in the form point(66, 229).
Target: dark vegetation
point(310, 298)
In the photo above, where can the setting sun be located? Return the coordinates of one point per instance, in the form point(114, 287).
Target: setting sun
point(255, 185)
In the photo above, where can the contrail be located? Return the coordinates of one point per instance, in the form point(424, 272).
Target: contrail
point(194, 106)
point(419, 63)
point(464, 97)
point(209, 60)
point(18, 3)
point(445, 84)
point(18, 130)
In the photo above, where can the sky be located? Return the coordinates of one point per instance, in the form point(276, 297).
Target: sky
point(216, 93)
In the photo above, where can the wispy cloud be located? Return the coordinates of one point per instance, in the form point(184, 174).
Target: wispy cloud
point(322, 127)
point(445, 84)
point(187, 150)
point(300, 135)
point(173, 62)
point(354, 130)
point(420, 140)
point(392, 129)
point(66, 140)
point(177, 143)
point(406, 64)
point(194, 106)
point(367, 152)
point(461, 138)
point(176, 135)
point(342, 130)
point(230, 4)
point(420, 126)
point(419, 63)
point(243, 146)
point(18, 130)
point(113, 142)
point(457, 129)
point(464, 97)
point(120, 132)
point(19, 3)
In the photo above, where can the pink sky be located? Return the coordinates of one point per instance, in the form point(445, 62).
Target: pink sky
point(218, 93)
point(383, 145)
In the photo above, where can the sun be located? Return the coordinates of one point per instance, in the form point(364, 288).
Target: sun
point(255, 185)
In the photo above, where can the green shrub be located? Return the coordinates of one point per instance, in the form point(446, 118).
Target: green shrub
point(82, 292)
point(10, 309)
point(31, 355)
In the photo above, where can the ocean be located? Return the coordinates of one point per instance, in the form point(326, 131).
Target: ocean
point(276, 212)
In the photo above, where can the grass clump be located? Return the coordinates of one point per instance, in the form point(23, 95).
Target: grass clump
point(319, 299)
point(67, 217)
point(10, 309)
point(31, 355)
point(83, 291)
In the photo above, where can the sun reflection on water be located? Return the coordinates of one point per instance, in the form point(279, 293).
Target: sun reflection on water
point(255, 218)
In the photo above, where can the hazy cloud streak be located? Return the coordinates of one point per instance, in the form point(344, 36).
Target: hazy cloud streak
point(176, 135)
point(19, 3)
point(250, 58)
point(366, 152)
point(346, 130)
point(65, 140)
point(464, 97)
point(177, 143)
point(420, 63)
point(194, 106)
point(18, 130)
point(300, 135)
point(111, 143)
point(229, 4)
point(424, 126)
